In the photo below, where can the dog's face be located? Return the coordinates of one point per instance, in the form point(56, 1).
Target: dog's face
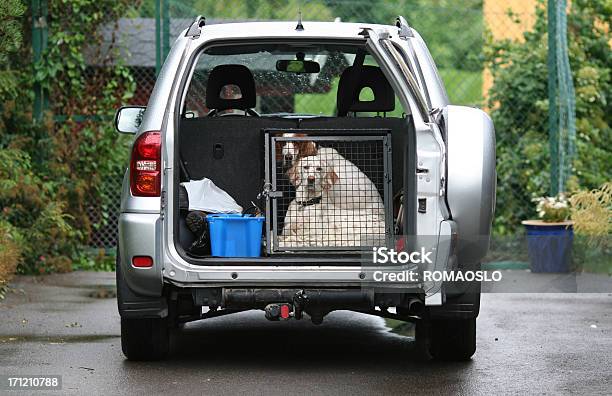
point(311, 176)
point(291, 151)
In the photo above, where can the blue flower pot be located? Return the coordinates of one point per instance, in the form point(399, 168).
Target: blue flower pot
point(549, 245)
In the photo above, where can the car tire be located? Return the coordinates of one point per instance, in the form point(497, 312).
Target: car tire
point(145, 339)
point(452, 339)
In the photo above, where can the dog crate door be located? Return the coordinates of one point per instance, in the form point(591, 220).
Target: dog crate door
point(328, 192)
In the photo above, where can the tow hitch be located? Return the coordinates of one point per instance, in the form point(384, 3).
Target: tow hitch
point(285, 311)
point(280, 311)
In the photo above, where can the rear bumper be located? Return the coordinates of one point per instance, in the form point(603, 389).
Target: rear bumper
point(140, 234)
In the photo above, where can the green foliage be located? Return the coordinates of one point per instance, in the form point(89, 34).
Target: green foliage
point(452, 30)
point(592, 212)
point(519, 99)
point(10, 40)
point(52, 173)
point(9, 254)
point(85, 151)
point(458, 45)
point(10, 28)
point(95, 260)
point(29, 207)
point(464, 87)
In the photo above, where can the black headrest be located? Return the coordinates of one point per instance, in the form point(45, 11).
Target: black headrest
point(224, 75)
point(371, 77)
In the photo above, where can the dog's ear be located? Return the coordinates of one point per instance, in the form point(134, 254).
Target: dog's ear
point(306, 148)
point(294, 175)
point(330, 178)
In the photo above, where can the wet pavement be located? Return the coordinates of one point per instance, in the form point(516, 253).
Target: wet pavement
point(548, 343)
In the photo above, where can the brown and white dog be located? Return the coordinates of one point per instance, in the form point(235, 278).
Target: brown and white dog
point(289, 152)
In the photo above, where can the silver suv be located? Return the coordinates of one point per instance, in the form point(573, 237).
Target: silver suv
point(338, 145)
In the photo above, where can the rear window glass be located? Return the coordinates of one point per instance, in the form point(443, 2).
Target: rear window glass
point(278, 92)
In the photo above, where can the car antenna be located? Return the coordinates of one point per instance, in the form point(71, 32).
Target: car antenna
point(299, 26)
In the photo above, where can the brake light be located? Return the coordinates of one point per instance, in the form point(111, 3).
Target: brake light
point(142, 261)
point(145, 165)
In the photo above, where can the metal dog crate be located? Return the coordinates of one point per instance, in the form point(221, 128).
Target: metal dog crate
point(345, 214)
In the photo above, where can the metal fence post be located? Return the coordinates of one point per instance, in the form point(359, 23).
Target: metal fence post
point(158, 51)
point(561, 101)
point(40, 36)
point(162, 32)
point(165, 28)
point(553, 115)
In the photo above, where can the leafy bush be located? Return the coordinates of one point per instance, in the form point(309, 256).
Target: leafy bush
point(95, 260)
point(52, 172)
point(592, 216)
point(10, 40)
point(592, 211)
point(29, 207)
point(86, 148)
point(9, 254)
point(519, 99)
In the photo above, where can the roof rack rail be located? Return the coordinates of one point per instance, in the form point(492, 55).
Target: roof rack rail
point(195, 28)
point(404, 29)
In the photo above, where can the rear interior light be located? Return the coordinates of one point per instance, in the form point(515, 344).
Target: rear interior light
point(145, 165)
point(142, 261)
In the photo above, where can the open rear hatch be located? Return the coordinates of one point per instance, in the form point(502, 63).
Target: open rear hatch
point(315, 190)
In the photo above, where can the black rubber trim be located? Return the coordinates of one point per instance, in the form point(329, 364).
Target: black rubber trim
point(410, 180)
point(144, 309)
point(132, 305)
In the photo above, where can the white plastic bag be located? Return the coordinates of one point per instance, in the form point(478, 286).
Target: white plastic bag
point(204, 195)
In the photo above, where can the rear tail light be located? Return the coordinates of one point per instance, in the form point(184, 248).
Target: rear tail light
point(145, 165)
point(142, 261)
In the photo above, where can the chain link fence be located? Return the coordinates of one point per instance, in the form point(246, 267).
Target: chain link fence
point(456, 34)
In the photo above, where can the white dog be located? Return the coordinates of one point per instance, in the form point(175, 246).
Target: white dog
point(352, 190)
point(314, 217)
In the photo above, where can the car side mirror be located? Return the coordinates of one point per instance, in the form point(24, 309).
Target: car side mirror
point(129, 118)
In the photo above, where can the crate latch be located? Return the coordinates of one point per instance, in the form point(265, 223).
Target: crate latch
point(268, 193)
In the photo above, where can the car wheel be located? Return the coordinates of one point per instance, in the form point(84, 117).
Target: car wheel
point(452, 339)
point(145, 339)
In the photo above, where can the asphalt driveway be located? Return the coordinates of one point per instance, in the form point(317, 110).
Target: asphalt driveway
point(549, 343)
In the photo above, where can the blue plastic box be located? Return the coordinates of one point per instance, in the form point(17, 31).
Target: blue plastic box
point(235, 235)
